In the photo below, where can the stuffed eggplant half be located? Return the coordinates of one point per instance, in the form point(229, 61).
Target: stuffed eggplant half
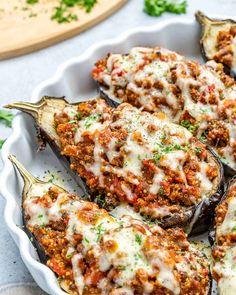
point(130, 157)
point(202, 98)
point(224, 249)
point(93, 252)
point(218, 41)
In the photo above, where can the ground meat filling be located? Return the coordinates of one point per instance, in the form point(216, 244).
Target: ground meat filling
point(94, 253)
point(227, 233)
point(202, 98)
point(129, 156)
point(225, 47)
point(224, 271)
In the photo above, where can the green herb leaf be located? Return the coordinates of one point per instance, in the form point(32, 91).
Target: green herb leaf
point(61, 15)
point(138, 239)
point(86, 240)
point(6, 117)
point(70, 255)
point(197, 150)
point(158, 7)
point(189, 126)
point(32, 1)
point(161, 191)
point(2, 142)
point(90, 120)
point(86, 4)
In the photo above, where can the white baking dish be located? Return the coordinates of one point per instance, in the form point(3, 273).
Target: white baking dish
point(73, 80)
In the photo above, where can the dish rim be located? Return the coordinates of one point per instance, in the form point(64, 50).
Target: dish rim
point(36, 268)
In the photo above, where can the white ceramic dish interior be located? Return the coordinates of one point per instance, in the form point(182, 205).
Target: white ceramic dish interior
point(74, 81)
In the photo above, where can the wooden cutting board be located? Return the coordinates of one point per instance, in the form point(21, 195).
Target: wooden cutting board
point(26, 28)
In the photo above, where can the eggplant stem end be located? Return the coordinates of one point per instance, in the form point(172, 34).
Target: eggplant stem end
point(30, 108)
point(27, 177)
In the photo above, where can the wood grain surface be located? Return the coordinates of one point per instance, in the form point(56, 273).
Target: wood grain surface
point(27, 28)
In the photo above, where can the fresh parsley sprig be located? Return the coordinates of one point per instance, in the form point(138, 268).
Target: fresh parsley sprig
point(158, 7)
point(6, 117)
point(2, 142)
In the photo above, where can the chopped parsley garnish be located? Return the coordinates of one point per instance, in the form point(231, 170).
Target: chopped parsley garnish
point(90, 120)
point(99, 232)
point(86, 240)
point(161, 191)
point(100, 200)
point(70, 255)
point(79, 116)
point(32, 1)
point(156, 157)
point(138, 239)
point(52, 178)
point(72, 122)
point(197, 150)
point(137, 256)
point(203, 137)
point(233, 228)
point(121, 267)
point(158, 7)
point(189, 126)
point(62, 14)
point(40, 216)
point(205, 110)
point(2, 142)
point(6, 117)
point(86, 4)
point(162, 149)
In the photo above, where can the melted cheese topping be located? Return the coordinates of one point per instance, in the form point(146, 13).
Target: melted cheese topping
point(226, 270)
point(148, 80)
point(142, 144)
point(120, 247)
point(224, 267)
point(229, 223)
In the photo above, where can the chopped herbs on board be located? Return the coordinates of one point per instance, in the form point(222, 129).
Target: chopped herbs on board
point(62, 12)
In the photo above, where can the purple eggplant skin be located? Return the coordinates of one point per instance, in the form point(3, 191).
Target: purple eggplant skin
point(205, 208)
point(212, 231)
point(229, 172)
point(203, 20)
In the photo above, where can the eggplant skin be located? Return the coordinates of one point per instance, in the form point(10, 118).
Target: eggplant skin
point(208, 25)
point(230, 172)
point(207, 207)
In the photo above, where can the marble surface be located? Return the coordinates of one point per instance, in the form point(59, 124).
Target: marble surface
point(19, 76)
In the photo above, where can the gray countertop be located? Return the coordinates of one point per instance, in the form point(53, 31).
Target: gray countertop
point(19, 76)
